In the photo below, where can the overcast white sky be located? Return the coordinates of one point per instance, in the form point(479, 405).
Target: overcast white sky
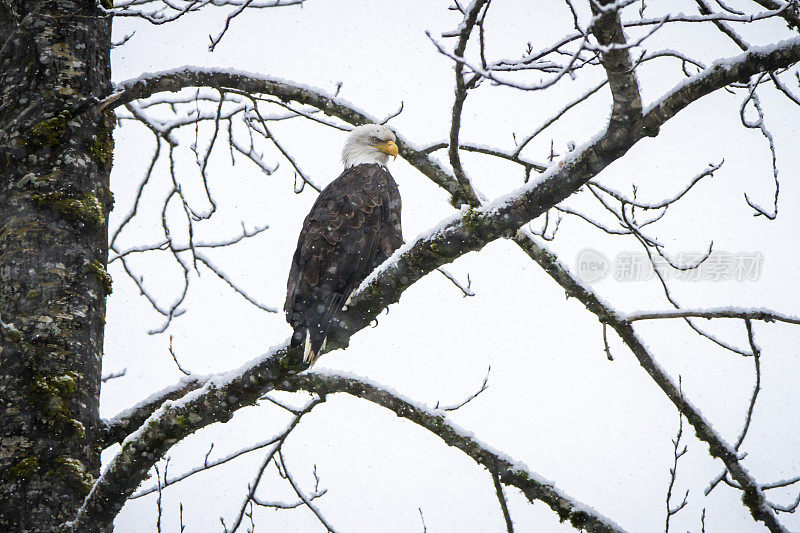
point(600, 430)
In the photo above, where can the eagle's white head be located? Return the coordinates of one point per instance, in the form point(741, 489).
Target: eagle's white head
point(370, 143)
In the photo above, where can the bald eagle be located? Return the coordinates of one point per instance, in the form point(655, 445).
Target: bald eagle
point(352, 228)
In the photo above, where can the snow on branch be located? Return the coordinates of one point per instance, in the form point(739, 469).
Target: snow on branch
point(127, 421)
point(471, 18)
point(789, 11)
point(508, 471)
point(159, 12)
point(617, 63)
point(723, 312)
point(221, 396)
point(753, 496)
point(254, 84)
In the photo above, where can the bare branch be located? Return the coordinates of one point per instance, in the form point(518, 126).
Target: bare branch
point(756, 354)
point(549, 122)
point(270, 457)
point(607, 28)
point(163, 245)
point(708, 171)
point(158, 12)
point(757, 387)
point(677, 454)
point(790, 508)
point(466, 290)
point(471, 397)
point(306, 500)
point(254, 84)
point(209, 465)
point(780, 484)
point(158, 500)
point(218, 398)
point(507, 472)
point(224, 277)
point(761, 126)
point(789, 11)
point(755, 499)
point(706, 9)
point(470, 19)
point(175, 359)
point(501, 497)
point(747, 314)
point(606, 347)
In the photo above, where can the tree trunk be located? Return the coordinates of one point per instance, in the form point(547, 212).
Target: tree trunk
point(55, 158)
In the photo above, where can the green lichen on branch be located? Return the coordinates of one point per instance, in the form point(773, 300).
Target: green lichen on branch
point(52, 394)
point(103, 142)
point(473, 220)
point(62, 385)
point(50, 132)
point(84, 209)
point(23, 469)
point(579, 519)
point(73, 471)
point(101, 274)
point(182, 421)
point(292, 364)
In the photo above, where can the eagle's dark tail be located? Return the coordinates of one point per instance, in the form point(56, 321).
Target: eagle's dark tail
point(312, 331)
point(315, 343)
point(312, 340)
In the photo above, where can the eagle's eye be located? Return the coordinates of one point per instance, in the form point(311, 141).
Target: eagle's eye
point(376, 140)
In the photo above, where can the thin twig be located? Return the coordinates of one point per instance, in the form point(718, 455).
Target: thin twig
point(501, 497)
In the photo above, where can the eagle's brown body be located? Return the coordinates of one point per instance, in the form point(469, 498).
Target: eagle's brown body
point(352, 228)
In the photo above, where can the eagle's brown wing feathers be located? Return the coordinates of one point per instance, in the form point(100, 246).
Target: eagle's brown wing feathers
point(353, 227)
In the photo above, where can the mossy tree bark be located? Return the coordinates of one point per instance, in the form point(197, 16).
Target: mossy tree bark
point(55, 158)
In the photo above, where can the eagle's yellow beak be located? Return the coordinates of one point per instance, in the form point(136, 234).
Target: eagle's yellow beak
point(389, 147)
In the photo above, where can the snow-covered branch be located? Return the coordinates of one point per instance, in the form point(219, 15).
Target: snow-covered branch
point(255, 84)
point(753, 496)
point(789, 11)
point(510, 473)
point(471, 18)
point(468, 231)
point(727, 312)
point(159, 12)
point(618, 65)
